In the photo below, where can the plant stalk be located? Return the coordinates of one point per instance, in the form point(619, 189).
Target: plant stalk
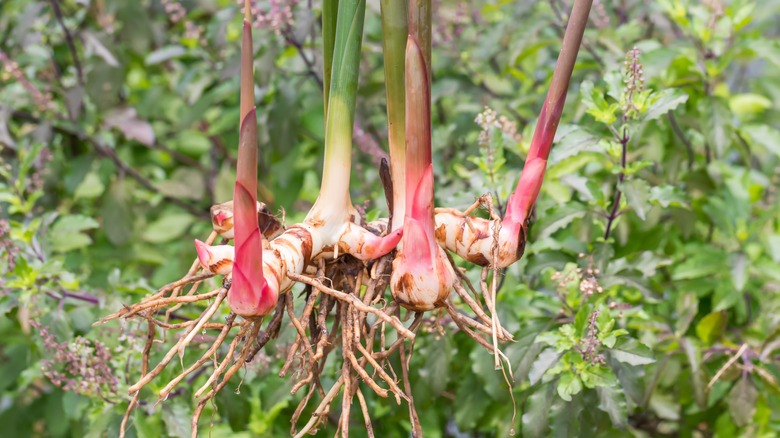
point(334, 197)
point(420, 28)
point(249, 294)
point(329, 15)
point(530, 183)
point(394, 35)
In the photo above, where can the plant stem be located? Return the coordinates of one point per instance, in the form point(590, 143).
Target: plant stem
point(418, 124)
point(418, 97)
point(329, 10)
point(334, 193)
point(249, 295)
point(618, 193)
point(394, 34)
point(530, 183)
point(420, 28)
point(55, 5)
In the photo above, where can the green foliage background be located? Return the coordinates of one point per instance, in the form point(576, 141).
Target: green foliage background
point(667, 327)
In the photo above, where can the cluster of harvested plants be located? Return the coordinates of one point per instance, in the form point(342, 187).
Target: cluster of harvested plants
point(345, 265)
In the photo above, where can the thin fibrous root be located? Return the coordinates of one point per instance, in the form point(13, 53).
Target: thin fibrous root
point(168, 356)
point(144, 369)
point(272, 331)
point(218, 370)
point(203, 359)
point(299, 410)
point(487, 201)
point(185, 324)
point(349, 354)
point(386, 352)
point(322, 409)
point(469, 321)
point(354, 301)
point(346, 399)
point(205, 317)
point(129, 311)
point(299, 328)
point(366, 416)
point(237, 364)
point(193, 290)
point(382, 373)
point(188, 279)
point(462, 325)
point(414, 419)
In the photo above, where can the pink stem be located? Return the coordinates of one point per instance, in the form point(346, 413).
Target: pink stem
point(522, 200)
point(249, 295)
point(418, 130)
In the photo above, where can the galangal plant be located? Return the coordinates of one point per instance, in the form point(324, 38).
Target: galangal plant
point(362, 281)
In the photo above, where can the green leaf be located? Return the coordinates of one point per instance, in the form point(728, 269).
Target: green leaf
point(236, 408)
point(74, 223)
point(607, 116)
point(594, 376)
point(177, 419)
point(559, 218)
point(749, 104)
point(436, 371)
point(632, 352)
point(537, 412)
point(687, 308)
point(711, 327)
point(91, 187)
point(668, 195)
point(69, 242)
point(663, 102)
point(665, 406)
point(693, 354)
point(568, 385)
point(73, 405)
point(701, 264)
point(773, 246)
point(739, 263)
point(483, 366)
point(192, 142)
point(766, 136)
point(163, 54)
point(544, 362)
point(167, 228)
point(472, 402)
point(117, 215)
point(637, 193)
point(66, 234)
point(184, 183)
point(613, 402)
point(566, 418)
point(769, 49)
point(742, 401)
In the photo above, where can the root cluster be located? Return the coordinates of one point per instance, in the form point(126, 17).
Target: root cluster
point(345, 308)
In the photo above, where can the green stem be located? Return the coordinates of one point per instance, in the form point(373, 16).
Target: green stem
point(334, 194)
point(329, 9)
point(394, 34)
